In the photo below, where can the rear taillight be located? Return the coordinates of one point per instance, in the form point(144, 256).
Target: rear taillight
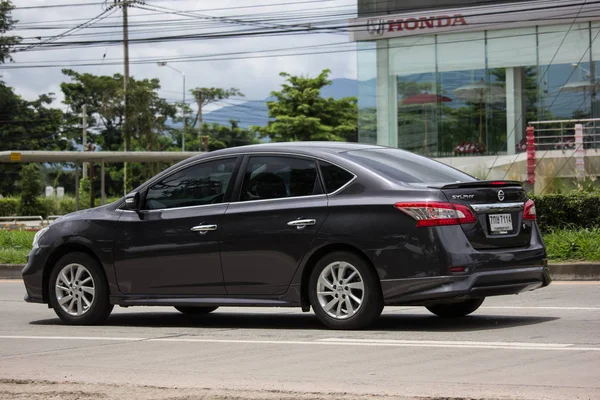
point(437, 213)
point(529, 212)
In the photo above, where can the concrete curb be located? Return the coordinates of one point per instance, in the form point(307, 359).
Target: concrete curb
point(559, 272)
point(10, 271)
point(575, 271)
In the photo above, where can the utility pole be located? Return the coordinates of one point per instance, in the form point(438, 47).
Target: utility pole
point(125, 82)
point(84, 140)
point(125, 4)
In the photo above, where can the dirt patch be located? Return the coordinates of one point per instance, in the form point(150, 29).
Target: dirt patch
point(13, 389)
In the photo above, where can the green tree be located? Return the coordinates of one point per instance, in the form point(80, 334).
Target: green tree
point(31, 188)
point(187, 130)
point(85, 187)
point(222, 137)
point(28, 125)
point(206, 96)
point(148, 114)
point(6, 24)
point(300, 113)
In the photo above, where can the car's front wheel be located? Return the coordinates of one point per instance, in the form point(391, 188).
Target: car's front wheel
point(455, 310)
point(79, 291)
point(344, 292)
point(196, 310)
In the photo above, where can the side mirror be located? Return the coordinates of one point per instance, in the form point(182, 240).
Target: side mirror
point(132, 201)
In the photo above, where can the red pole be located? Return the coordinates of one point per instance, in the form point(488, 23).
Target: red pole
point(530, 155)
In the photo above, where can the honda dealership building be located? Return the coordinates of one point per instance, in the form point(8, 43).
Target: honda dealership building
point(462, 77)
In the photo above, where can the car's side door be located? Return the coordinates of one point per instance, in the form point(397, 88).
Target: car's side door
point(267, 232)
point(171, 245)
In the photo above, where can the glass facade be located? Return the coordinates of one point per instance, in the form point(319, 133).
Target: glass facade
point(472, 93)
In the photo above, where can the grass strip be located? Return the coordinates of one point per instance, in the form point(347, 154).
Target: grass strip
point(562, 245)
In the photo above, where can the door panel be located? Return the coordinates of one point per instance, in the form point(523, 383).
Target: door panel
point(260, 252)
point(263, 242)
point(164, 255)
point(172, 246)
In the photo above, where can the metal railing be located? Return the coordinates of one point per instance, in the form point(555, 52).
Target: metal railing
point(18, 219)
point(22, 220)
point(560, 134)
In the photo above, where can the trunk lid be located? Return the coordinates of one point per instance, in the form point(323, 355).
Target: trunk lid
point(498, 206)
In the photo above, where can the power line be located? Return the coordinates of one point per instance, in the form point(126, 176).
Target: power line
point(235, 56)
point(153, 59)
point(226, 20)
point(319, 12)
point(223, 9)
point(218, 35)
point(69, 5)
point(90, 22)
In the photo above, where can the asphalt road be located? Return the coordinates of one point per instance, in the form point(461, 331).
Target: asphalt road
point(539, 345)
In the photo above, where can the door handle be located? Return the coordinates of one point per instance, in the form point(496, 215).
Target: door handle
point(204, 229)
point(302, 223)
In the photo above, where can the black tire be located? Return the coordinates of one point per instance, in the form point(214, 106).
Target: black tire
point(195, 310)
point(372, 299)
point(456, 310)
point(100, 307)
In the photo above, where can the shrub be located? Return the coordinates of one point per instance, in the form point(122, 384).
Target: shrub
point(573, 245)
point(47, 206)
point(66, 205)
point(84, 193)
point(111, 199)
point(9, 206)
point(31, 187)
point(578, 210)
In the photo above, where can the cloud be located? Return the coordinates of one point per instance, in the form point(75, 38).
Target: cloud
point(255, 77)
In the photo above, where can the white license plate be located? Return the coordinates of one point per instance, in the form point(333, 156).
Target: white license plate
point(501, 223)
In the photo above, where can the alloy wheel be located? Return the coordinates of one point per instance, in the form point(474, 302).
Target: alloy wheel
point(340, 290)
point(75, 289)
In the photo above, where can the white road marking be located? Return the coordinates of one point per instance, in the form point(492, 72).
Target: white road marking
point(333, 342)
point(447, 342)
point(109, 338)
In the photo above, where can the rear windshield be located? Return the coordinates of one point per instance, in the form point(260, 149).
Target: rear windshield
point(402, 166)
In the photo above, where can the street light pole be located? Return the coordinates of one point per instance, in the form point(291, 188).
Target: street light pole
point(164, 64)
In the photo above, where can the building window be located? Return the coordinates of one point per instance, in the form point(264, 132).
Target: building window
point(473, 93)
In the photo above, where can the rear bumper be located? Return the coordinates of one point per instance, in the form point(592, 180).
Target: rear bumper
point(423, 291)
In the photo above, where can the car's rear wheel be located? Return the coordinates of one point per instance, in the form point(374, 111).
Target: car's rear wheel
point(344, 292)
point(79, 291)
point(455, 310)
point(196, 310)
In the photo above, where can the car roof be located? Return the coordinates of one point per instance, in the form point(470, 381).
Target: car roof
point(296, 147)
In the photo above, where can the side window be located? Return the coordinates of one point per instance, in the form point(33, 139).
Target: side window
point(272, 177)
point(201, 184)
point(334, 177)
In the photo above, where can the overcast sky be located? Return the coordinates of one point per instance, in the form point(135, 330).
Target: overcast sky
point(255, 77)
